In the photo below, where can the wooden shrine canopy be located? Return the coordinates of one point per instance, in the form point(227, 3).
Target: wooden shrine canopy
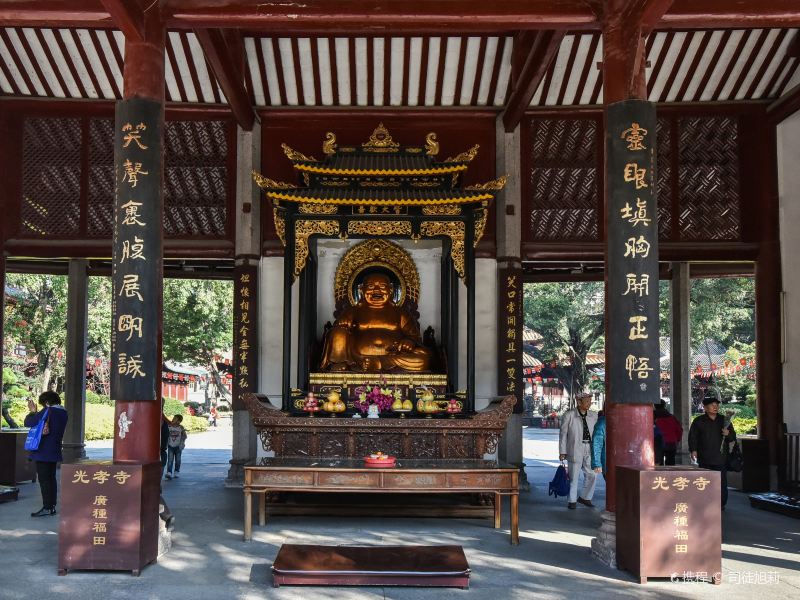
point(379, 189)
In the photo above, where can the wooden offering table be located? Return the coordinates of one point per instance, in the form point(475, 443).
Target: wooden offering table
point(345, 475)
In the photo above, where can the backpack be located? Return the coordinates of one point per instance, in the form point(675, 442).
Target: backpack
point(560, 484)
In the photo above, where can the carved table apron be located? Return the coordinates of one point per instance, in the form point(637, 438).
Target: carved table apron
point(470, 436)
point(409, 476)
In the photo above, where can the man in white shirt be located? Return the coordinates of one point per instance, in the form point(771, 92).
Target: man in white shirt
point(575, 446)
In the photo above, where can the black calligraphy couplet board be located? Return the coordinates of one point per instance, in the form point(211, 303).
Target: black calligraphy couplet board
point(632, 226)
point(137, 258)
point(509, 334)
point(245, 344)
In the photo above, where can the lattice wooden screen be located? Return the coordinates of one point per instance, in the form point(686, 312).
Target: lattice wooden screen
point(196, 178)
point(698, 185)
point(562, 192)
point(51, 181)
point(708, 178)
point(664, 178)
point(101, 178)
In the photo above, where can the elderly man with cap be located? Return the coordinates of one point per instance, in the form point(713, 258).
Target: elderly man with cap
point(706, 441)
point(575, 445)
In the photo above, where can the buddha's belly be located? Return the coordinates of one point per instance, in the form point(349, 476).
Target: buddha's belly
point(374, 342)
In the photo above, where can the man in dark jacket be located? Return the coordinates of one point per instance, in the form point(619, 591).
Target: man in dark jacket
point(705, 442)
point(48, 455)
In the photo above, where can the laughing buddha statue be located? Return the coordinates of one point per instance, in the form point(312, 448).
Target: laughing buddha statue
point(375, 335)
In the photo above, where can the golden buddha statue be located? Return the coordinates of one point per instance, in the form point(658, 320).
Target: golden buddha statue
point(375, 335)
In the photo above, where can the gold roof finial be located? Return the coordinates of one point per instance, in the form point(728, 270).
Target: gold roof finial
point(380, 140)
point(464, 156)
point(495, 184)
point(295, 155)
point(431, 145)
point(265, 183)
point(329, 145)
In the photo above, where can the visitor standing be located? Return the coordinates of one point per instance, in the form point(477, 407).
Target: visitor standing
point(575, 445)
point(706, 446)
point(175, 445)
point(599, 445)
point(48, 454)
point(671, 431)
point(212, 416)
point(165, 423)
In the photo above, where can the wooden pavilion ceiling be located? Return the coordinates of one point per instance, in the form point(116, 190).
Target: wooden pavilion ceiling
point(407, 71)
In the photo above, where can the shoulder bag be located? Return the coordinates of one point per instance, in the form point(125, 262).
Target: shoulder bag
point(734, 461)
point(35, 433)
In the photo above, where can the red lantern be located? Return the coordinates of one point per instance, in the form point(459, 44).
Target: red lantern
point(97, 362)
point(228, 375)
point(191, 378)
point(713, 366)
point(743, 361)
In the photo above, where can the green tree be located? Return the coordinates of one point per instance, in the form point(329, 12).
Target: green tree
point(723, 309)
point(739, 385)
point(99, 327)
point(198, 323)
point(38, 318)
point(570, 317)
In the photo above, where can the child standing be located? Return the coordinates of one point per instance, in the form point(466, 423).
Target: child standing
point(177, 440)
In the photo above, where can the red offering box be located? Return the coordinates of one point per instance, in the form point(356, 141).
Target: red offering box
point(386, 462)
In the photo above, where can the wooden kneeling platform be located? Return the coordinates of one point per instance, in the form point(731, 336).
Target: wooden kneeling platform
point(433, 566)
point(8, 493)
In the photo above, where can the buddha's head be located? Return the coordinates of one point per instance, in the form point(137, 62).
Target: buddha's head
point(377, 289)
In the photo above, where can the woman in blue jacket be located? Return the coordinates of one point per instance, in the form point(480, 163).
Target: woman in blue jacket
point(599, 445)
point(48, 455)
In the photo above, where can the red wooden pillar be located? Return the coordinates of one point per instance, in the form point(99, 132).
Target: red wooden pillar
point(629, 427)
point(769, 377)
point(139, 396)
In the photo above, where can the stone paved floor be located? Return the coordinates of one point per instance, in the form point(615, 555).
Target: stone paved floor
point(209, 560)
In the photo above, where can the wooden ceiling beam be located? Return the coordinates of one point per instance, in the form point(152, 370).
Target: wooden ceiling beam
point(726, 14)
point(646, 13)
point(414, 15)
point(54, 13)
point(128, 17)
point(225, 54)
point(383, 15)
point(543, 52)
point(785, 106)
